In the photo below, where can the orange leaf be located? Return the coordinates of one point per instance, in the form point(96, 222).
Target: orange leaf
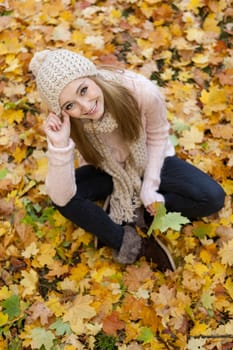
point(112, 323)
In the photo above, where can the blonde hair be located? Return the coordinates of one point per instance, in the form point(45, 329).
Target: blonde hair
point(123, 107)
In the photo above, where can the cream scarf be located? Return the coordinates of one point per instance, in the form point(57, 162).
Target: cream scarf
point(126, 181)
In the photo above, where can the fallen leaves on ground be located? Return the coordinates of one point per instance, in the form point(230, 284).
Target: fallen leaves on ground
point(56, 290)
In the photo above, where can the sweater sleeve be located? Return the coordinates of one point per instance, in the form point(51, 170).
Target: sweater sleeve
point(156, 129)
point(60, 181)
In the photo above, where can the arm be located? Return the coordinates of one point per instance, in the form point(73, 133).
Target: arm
point(60, 181)
point(156, 129)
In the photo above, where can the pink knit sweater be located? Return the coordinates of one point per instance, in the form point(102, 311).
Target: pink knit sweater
point(60, 180)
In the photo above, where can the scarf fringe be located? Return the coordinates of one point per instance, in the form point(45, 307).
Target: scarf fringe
point(126, 181)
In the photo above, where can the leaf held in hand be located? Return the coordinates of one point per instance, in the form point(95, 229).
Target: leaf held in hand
point(162, 220)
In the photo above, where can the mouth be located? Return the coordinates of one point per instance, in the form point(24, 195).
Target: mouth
point(93, 109)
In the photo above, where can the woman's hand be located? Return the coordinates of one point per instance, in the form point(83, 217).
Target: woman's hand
point(58, 130)
point(151, 210)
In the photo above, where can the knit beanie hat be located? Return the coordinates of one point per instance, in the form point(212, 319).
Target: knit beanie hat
point(54, 69)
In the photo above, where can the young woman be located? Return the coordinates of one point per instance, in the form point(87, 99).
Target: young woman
point(117, 121)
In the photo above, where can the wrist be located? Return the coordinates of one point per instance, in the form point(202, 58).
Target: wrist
point(60, 144)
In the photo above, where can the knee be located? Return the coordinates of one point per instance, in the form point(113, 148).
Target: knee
point(216, 199)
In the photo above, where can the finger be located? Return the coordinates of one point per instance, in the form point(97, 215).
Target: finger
point(66, 117)
point(150, 209)
point(53, 125)
point(53, 118)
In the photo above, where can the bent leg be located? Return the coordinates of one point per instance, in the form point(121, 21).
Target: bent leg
point(93, 185)
point(189, 190)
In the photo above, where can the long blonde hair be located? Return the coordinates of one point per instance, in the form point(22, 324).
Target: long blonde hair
point(123, 107)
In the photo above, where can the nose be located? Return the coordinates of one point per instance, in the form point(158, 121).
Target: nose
point(83, 105)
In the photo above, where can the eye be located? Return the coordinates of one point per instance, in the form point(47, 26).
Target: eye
point(69, 106)
point(83, 91)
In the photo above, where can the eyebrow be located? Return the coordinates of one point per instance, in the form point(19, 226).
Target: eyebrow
point(77, 91)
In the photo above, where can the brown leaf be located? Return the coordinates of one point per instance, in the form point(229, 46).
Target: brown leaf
point(112, 323)
point(17, 264)
point(6, 206)
point(136, 275)
point(222, 131)
point(25, 232)
point(40, 311)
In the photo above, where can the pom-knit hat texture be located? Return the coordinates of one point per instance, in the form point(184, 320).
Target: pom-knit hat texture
point(54, 69)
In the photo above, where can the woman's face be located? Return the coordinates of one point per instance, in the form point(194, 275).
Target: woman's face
point(83, 99)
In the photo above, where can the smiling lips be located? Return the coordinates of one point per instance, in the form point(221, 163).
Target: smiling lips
point(92, 111)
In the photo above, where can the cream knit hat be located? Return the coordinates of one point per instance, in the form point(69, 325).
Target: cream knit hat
point(54, 69)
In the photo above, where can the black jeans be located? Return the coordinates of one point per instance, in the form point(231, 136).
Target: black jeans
point(186, 189)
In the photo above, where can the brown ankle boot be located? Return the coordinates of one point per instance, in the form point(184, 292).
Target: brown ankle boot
point(156, 252)
point(134, 247)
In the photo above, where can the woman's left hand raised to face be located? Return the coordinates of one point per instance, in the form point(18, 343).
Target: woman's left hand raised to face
point(58, 130)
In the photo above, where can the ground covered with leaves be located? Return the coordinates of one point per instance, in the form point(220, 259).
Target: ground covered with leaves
point(56, 290)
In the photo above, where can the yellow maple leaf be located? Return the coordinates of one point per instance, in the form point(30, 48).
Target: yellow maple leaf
point(13, 115)
point(70, 347)
point(5, 293)
point(196, 344)
point(3, 344)
point(67, 16)
point(78, 36)
point(59, 220)
point(39, 174)
point(79, 310)
point(191, 281)
point(205, 256)
point(214, 100)
point(19, 154)
point(104, 271)
point(225, 253)
point(53, 303)
point(78, 272)
point(115, 13)
point(190, 138)
point(46, 255)
point(10, 45)
point(229, 286)
point(3, 319)
point(218, 270)
point(14, 89)
point(131, 331)
point(56, 268)
point(211, 24)
point(201, 59)
point(228, 186)
point(199, 328)
point(29, 282)
point(146, 9)
point(200, 269)
point(67, 284)
point(97, 41)
point(13, 64)
point(160, 37)
point(62, 32)
point(195, 34)
point(195, 5)
point(81, 236)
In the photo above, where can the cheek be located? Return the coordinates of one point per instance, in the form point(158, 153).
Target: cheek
point(75, 113)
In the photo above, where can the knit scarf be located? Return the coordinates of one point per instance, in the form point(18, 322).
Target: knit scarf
point(126, 180)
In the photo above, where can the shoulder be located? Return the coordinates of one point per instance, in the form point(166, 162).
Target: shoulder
point(127, 77)
point(142, 87)
point(144, 90)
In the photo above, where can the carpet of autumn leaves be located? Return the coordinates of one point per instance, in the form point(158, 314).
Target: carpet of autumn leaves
point(56, 290)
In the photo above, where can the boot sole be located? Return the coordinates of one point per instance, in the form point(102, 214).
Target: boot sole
point(165, 249)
